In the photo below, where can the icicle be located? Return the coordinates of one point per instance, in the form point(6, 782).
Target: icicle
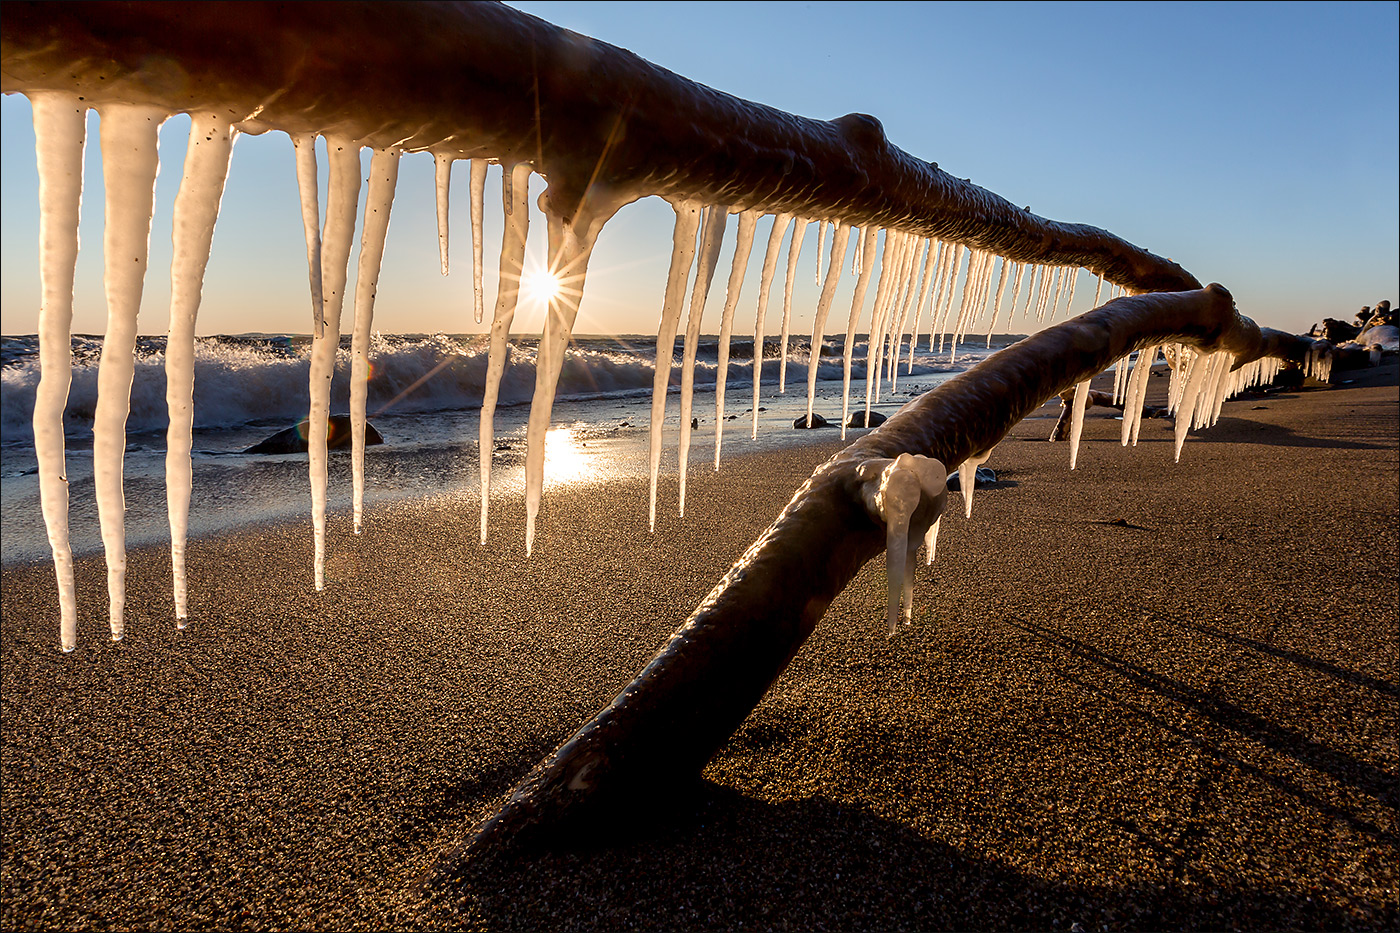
point(59, 137)
point(1137, 395)
point(442, 180)
point(1019, 273)
point(770, 265)
point(192, 233)
point(996, 304)
point(1098, 289)
point(931, 540)
point(512, 262)
point(305, 146)
point(952, 283)
point(1054, 307)
point(892, 491)
point(1194, 380)
point(570, 248)
point(1032, 286)
point(945, 260)
point(129, 162)
point(1076, 425)
point(341, 203)
point(821, 248)
point(478, 198)
point(967, 479)
point(925, 286)
point(794, 249)
point(711, 239)
point(866, 245)
point(833, 275)
point(889, 270)
point(383, 177)
point(743, 246)
point(1073, 273)
point(909, 276)
point(682, 255)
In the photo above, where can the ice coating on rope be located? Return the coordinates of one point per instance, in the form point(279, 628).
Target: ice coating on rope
point(513, 236)
point(799, 231)
point(821, 248)
point(833, 275)
point(383, 177)
point(770, 266)
point(867, 244)
point(342, 199)
point(1076, 424)
point(967, 479)
point(442, 182)
point(478, 198)
point(682, 256)
point(307, 187)
point(570, 247)
point(892, 491)
point(748, 220)
point(711, 239)
point(60, 133)
point(128, 134)
point(192, 234)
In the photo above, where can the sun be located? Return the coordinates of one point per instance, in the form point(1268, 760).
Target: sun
point(541, 285)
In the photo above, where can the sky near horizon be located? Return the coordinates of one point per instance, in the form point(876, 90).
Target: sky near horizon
point(1254, 143)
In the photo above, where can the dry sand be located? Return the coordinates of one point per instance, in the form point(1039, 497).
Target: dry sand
point(1136, 696)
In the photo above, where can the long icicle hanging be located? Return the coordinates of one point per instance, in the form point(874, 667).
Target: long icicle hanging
point(128, 135)
point(379, 200)
point(60, 134)
point(308, 187)
point(682, 257)
point(512, 263)
point(925, 286)
point(711, 239)
point(442, 184)
point(192, 235)
point(477, 186)
point(833, 276)
point(770, 266)
point(342, 199)
point(865, 247)
point(799, 230)
point(748, 220)
point(570, 248)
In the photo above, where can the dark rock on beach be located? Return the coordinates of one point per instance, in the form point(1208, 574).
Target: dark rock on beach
point(985, 477)
point(858, 420)
point(817, 422)
point(293, 440)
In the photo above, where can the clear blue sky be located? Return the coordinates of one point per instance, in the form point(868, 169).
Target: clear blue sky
point(1256, 144)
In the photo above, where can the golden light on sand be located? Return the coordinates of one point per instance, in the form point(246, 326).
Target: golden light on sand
point(565, 458)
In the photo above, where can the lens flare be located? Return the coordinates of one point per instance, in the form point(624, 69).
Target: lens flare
point(541, 285)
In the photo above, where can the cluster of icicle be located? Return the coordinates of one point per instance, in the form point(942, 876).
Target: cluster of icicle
point(917, 281)
point(1318, 363)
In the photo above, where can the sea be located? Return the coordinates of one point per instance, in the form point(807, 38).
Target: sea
point(425, 395)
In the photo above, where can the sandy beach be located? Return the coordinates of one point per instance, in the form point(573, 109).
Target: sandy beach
point(1139, 695)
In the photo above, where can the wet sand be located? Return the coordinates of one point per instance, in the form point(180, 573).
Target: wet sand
point(1136, 696)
